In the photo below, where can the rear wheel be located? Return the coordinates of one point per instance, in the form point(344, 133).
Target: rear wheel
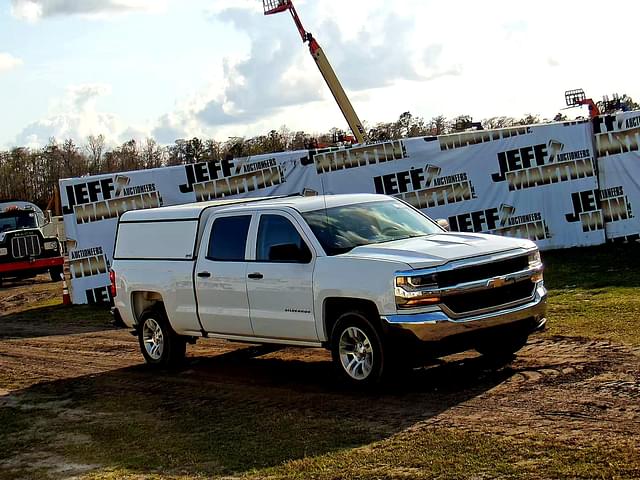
point(357, 350)
point(159, 344)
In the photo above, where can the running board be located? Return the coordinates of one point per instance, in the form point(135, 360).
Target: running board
point(247, 339)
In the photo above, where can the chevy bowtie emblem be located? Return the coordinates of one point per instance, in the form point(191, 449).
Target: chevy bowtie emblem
point(497, 282)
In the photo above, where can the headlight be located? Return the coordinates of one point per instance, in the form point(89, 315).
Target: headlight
point(536, 262)
point(415, 290)
point(534, 259)
point(50, 245)
point(3, 252)
point(413, 282)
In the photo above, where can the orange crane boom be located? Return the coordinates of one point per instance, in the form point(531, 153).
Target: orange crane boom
point(276, 6)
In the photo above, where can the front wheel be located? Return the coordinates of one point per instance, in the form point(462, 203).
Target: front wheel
point(56, 274)
point(159, 344)
point(357, 350)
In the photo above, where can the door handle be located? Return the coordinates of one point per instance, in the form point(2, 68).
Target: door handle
point(256, 276)
point(204, 274)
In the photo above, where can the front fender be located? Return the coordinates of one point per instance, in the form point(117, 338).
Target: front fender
point(363, 279)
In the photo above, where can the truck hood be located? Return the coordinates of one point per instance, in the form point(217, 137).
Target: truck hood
point(438, 249)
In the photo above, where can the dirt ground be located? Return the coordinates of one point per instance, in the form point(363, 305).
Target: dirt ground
point(570, 389)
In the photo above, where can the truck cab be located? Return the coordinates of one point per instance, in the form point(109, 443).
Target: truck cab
point(25, 251)
point(367, 276)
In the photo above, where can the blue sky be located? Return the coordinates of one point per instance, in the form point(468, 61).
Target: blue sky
point(172, 69)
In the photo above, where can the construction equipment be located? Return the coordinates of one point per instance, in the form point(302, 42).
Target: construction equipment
point(466, 123)
point(277, 6)
point(612, 105)
point(577, 97)
point(26, 249)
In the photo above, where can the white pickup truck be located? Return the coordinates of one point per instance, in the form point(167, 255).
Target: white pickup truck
point(367, 276)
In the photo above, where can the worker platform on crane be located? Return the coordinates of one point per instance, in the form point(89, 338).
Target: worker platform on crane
point(577, 98)
point(275, 6)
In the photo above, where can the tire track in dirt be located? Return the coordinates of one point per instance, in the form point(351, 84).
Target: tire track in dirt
point(575, 390)
point(17, 295)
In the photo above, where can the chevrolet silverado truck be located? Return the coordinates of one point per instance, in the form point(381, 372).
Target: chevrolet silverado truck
point(25, 251)
point(368, 277)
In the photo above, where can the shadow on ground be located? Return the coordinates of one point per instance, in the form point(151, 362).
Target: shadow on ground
point(225, 414)
point(54, 320)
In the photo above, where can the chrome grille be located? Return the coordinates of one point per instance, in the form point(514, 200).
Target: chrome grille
point(28, 246)
point(491, 298)
point(479, 272)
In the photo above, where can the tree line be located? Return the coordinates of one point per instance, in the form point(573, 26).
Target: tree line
point(32, 174)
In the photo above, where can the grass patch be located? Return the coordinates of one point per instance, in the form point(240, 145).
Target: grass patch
point(593, 292)
point(609, 314)
point(52, 311)
point(444, 454)
point(430, 453)
point(13, 423)
point(218, 437)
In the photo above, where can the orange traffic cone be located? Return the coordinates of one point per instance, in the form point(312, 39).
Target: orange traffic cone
point(66, 298)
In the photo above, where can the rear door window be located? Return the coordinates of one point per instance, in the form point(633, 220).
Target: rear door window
point(228, 240)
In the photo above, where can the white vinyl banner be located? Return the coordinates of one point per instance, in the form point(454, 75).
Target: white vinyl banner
point(617, 138)
point(92, 205)
point(517, 182)
point(527, 182)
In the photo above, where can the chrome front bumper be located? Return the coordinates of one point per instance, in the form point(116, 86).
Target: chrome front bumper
point(437, 325)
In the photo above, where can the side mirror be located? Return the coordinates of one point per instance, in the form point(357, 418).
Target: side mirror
point(289, 253)
point(444, 224)
point(47, 217)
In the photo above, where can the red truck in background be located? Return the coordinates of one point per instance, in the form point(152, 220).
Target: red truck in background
point(25, 251)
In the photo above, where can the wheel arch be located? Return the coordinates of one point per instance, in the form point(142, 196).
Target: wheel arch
point(143, 301)
point(334, 307)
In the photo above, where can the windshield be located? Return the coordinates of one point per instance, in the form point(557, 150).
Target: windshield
point(17, 220)
point(340, 229)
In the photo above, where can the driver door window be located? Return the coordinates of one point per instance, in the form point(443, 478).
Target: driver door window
point(280, 242)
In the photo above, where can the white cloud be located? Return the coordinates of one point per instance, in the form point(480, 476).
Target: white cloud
point(273, 74)
point(76, 116)
point(390, 56)
point(83, 97)
point(34, 10)
point(179, 124)
point(278, 73)
point(8, 62)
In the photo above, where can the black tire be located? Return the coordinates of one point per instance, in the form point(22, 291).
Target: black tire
point(154, 331)
point(503, 346)
point(56, 274)
point(369, 354)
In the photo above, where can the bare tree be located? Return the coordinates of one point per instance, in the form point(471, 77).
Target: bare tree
point(529, 119)
point(498, 122)
point(94, 149)
point(438, 125)
point(152, 154)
